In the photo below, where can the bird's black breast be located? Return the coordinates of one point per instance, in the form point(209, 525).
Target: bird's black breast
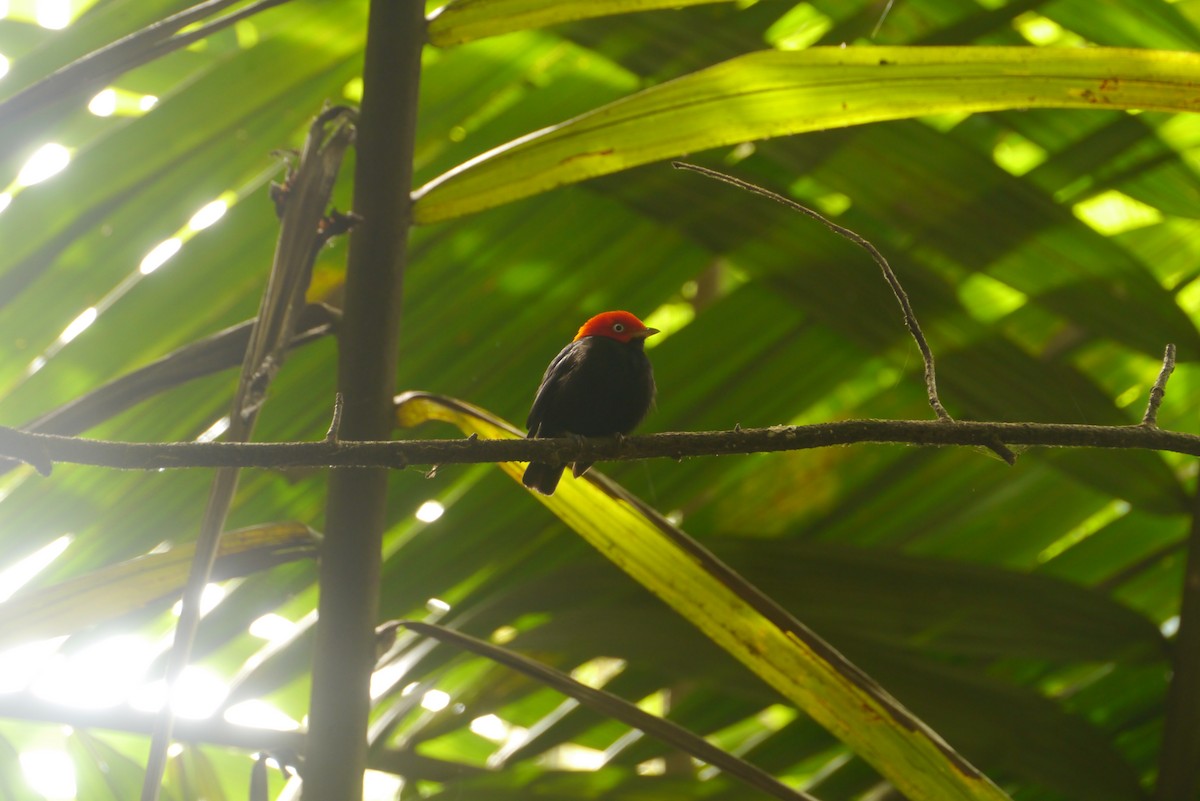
point(595, 387)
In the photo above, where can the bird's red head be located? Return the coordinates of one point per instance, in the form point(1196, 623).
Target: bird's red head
point(619, 325)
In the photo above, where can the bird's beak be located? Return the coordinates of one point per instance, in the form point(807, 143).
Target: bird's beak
point(644, 333)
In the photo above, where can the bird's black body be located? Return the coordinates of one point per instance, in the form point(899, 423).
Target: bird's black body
point(595, 387)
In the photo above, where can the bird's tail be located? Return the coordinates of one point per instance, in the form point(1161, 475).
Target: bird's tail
point(542, 478)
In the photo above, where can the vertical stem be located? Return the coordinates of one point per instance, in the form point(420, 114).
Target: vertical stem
point(355, 513)
point(1179, 756)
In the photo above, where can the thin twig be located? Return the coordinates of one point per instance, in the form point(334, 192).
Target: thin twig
point(335, 425)
point(910, 319)
point(879, 22)
point(1150, 418)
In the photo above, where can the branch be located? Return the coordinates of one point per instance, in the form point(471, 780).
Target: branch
point(1160, 387)
point(45, 449)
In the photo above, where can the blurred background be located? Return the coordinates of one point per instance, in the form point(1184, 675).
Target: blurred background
point(1025, 612)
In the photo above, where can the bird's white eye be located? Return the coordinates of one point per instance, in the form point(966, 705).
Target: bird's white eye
point(618, 327)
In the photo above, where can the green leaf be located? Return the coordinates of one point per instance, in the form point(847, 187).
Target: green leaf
point(770, 94)
point(1008, 727)
point(615, 707)
point(737, 617)
point(97, 68)
point(110, 592)
point(894, 600)
point(220, 351)
point(98, 764)
point(13, 786)
point(465, 20)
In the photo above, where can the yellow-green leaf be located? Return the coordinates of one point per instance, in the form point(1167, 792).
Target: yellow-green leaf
point(110, 592)
point(772, 93)
point(737, 617)
point(466, 20)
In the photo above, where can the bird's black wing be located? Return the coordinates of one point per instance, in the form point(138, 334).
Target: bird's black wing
point(561, 366)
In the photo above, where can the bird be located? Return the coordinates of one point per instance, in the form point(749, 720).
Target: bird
point(599, 385)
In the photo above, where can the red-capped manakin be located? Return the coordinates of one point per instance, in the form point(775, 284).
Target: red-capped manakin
point(600, 385)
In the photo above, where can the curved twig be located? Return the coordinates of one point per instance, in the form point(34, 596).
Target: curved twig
point(910, 318)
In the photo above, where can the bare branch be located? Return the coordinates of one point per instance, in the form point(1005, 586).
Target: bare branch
point(1160, 387)
point(403, 453)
